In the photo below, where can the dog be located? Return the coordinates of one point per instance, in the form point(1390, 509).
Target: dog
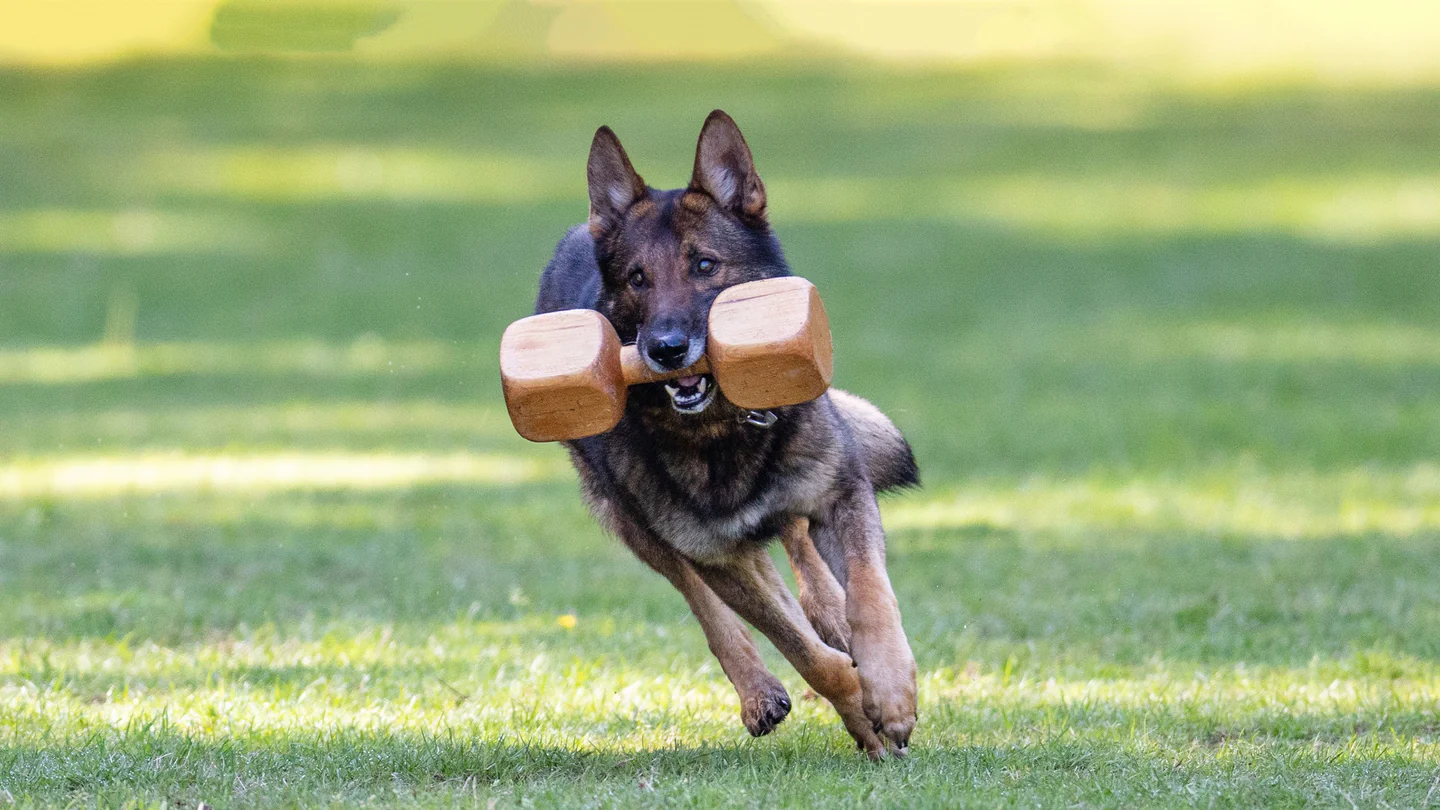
point(696, 487)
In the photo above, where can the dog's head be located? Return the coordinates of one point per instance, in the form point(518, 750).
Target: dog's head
point(665, 255)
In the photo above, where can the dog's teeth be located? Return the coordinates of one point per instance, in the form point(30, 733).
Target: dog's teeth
point(671, 390)
point(700, 386)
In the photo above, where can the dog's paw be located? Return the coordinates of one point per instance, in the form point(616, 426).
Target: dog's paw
point(889, 702)
point(852, 714)
point(762, 712)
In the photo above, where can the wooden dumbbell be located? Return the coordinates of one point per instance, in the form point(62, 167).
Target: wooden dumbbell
point(565, 374)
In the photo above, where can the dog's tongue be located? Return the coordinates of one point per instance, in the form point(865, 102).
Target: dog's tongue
point(688, 382)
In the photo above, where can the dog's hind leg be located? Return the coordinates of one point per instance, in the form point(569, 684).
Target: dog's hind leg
point(821, 596)
point(763, 699)
point(749, 583)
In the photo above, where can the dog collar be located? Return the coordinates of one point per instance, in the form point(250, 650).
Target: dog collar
point(760, 419)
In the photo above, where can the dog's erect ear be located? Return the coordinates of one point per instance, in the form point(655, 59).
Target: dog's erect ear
point(725, 170)
point(614, 185)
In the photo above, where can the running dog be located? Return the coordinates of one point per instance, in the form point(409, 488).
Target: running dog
point(696, 486)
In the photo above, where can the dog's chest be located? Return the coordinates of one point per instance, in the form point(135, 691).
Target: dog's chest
point(705, 503)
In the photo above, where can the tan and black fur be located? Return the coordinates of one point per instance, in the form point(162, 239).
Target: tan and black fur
point(697, 493)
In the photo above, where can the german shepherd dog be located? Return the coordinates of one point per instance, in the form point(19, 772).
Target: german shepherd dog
point(696, 486)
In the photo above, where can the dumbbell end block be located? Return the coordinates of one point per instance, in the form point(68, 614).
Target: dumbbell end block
point(561, 375)
point(770, 343)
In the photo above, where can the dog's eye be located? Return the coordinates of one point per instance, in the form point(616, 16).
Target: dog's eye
point(637, 279)
point(706, 267)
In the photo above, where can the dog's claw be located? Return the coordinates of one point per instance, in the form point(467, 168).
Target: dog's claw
point(762, 714)
point(897, 739)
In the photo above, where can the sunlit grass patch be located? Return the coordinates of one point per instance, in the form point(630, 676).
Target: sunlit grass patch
point(519, 680)
point(357, 171)
point(136, 231)
point(99, 476)
point(1240, 501)
point(532, 676)
point(516, 674)
point(1287, 340)
point(426, 424)
point(366, 355)
point(1339, 208)
point(1130, 342)
point(516, 712)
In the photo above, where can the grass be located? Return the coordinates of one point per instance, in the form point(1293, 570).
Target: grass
point(1168, 356)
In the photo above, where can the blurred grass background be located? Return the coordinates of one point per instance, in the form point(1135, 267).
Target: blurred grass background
point(1152, 289)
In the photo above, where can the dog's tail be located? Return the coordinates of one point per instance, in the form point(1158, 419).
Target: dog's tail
point(887, 455)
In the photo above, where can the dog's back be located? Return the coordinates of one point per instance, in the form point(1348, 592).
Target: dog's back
point(572, 278)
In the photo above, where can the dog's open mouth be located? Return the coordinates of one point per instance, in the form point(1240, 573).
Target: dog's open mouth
point(691, 394)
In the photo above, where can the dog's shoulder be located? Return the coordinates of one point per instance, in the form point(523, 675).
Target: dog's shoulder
point(572, 278)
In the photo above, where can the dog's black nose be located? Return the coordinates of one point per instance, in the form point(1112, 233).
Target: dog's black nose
point(668, 350)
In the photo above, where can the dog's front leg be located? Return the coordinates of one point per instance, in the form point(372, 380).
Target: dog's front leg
point(749, 583)
point(821, 596)
point(763, 699)
point(853, 542)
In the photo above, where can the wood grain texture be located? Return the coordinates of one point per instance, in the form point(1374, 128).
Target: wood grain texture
point(561, 375)
point(770, 343)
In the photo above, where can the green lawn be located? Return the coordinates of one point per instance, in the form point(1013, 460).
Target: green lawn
point(1169, 357)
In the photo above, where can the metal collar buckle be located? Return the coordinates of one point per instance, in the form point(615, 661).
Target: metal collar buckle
point(760, 419)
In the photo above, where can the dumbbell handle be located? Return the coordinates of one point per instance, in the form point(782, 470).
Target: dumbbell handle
point(637, 371)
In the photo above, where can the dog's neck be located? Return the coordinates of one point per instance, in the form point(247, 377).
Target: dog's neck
point(651, 413)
